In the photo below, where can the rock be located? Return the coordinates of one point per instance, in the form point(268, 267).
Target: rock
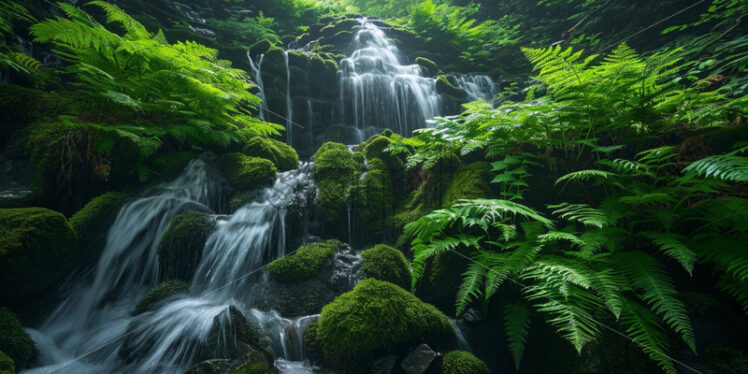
point(15, 343)
point(374, 204)
point(373, 319)
point(388, 264)
point(418, 360)
point(245, 172)
point(181, 246)
point(461, 362)
point(234, 336)
point(334, 174)
point(158, 294)
point(37, 248)
point(214, 366)
point(441, 280)
point(384, 365)
point(304, 263)
point(282, 155)
point(93, 221)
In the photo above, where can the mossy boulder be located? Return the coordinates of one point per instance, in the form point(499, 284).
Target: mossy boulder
point(441, 280)
point(37, 248)
point(427, 66)
point(93, 221)
point(447, 85)
point(303, 264)
point(461, 362)
point(181, 246)
point(377, 147)
point(170, 165)
point(6, 364)
point(158, 294)
point(283, 156)
point(334, 172)
point(312, 348)
point(469, 182)
point(14, 341)
point(386, 263)
point(245, 172)
point(374, 319)
point(374, 201)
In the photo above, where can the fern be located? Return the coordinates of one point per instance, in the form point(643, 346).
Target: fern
point(584, 175)
point(644, 329)
point(516, 327)
point(729, 167)
point(581, 213)
point(672, 245)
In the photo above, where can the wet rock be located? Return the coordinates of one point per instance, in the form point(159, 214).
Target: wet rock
point(233, 335)
point(215, 366)
point(181, 246)
point(384, 365)
point(418, 360)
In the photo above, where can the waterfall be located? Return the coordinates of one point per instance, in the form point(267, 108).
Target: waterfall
point(168, 339)
point(477, 86)
point(310, 121)
point(378, 91)
point(289, 102)
point(257, 70)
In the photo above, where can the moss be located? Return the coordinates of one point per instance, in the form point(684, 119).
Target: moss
point(374, 201)
point(159, 293)
point(413, 208)
point(461, 362)
point(303, 264)
point(260, 47)
point(312, 348)
point(445, 85)
point(441, 280)
point(6, 364)
point(469, 182)
point(14, 342)
point(334, 172)
point(376, 147)
point(283, 156)
point(172, 164)
point(37, 248)
point(388, 264)
point(429, 67)
point(374, 319)
point(19, 106)
point(245, 172)
point(181, 246)
point(93, 221)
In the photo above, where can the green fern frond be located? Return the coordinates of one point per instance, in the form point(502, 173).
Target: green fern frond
point(729, 167)
point(643, 327)
point(516, 328)
point(584, 175)
point(561, 236)
point(581, 213)
point(471, 286)
point(114, 14)
point(672, 245)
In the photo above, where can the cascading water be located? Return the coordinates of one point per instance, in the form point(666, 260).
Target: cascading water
point(257, 70)
point(289, 101)
point(477, 86)
point(378, 91)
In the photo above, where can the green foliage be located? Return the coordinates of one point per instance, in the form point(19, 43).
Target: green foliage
point(386, 263)
point(159, 293)
point(245, 172)
point(14, 342)
point(516, 325)
point(6, 364)
point(468, 182)
point(335, 174)
point(375, 318)
point(283, 156)
point(461, 362)
point(304, 263)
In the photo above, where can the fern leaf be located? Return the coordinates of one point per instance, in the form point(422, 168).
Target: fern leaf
point(672, 245)
point(729, 167)
point(470, 287)
point(581, 213)
point(643, 328)
point(516, 327)
point(584, 175)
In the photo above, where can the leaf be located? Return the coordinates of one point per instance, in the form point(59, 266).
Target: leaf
point(516, 327)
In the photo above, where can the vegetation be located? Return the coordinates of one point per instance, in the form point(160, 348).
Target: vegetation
point(14, 342)
point(375, 318)
point(461, 362)
point(181, 246)
point(91, 223)
point(304, 263)
point(158, 294)
point(245, 172)
point(386, 263)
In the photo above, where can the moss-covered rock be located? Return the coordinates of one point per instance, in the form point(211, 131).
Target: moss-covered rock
point(158, 294)
point(469, 182)
point(377, 147)
point(334, 173)
point(283, 156)
point(447, 85)
point(386, 263)
point(93, 221)
point(170, 165)
point(37, 248)
point(14, 342)
point(441, 280)
point(312, 348)
point(461, 362)
point(6, 364)
point(245, 172)
point(303, 264)
point(181, 246)
point(374, 200)
point(427, 66)
point(374, 319)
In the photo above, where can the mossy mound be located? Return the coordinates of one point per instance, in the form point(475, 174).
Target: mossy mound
point(386, 263)
point(181, 246)
point(159, 293)
point(312, 348)
point(469, 182)
point(283, 156)
point(374, 201)
point(461, 362)
point(427, 66)
point(245, 172)
point(170, 165)
point(441, 280)
point(447, 85)
point(37, 248)
point(93, 221)
point(14, 342)
point(377, 147)
point(374, 319)
point(334, 172)
point(6, 364)
point(303, 264)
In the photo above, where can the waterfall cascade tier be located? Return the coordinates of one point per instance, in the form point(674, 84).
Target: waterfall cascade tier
point(378, 91)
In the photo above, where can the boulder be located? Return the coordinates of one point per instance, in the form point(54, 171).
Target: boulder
point(418, 360)
point(388, 264)
point(158, 294)
point(15, 343)
point(93, 221)
point(461, 362)
point(181, 246)
point(282, 155)
point(245, 172)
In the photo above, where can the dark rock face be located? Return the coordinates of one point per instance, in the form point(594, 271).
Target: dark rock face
point(418, 360)
point(233, 336)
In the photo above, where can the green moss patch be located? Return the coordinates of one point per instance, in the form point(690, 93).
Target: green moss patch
point(388, 264)
point(303, 264)
point(283, 156)
point(159, 293)
point(334, 172)
point(6, 364)
point(14, 342)
point(37, 247)
point(93, 221)
point(469, 182)
point(461, 362)
point(373, 319)
point(181, 246)
point(245, 172)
